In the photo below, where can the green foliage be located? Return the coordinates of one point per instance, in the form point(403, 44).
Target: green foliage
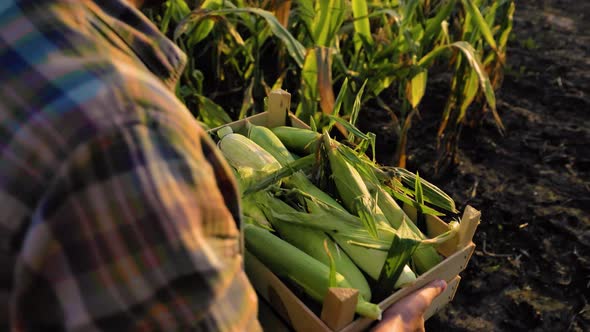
point(389, 49)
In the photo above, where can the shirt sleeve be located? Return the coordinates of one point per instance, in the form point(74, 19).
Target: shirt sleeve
point(135, 233)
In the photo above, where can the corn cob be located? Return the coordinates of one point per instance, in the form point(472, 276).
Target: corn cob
point(271, 143)
point(351, 188)
point(425, 257)
point(286, 260)
point(242, 152)
point(366, 252)
point(297, 139)
point(249, 160)
point(255, 214)
point(312, 240)
point(371, 261)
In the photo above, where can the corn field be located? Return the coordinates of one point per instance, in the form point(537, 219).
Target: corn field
point(339, 57)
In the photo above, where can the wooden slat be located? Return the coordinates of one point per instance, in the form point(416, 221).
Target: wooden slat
point(296, 122)
point(437, 304)
point(446, 270)
point(434, 227)
point(301, 319)
point(259, 119)
point(268, 318)
point(469, 223)
point(278, 108)
point(339, 306)
point(444, 298)
point(279, 102)
point(281, 298)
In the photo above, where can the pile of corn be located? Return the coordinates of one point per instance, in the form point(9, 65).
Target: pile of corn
point(329, 216)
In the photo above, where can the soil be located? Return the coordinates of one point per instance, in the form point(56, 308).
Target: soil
point(531, 267)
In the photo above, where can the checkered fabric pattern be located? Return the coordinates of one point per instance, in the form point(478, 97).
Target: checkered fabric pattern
point(118, 211)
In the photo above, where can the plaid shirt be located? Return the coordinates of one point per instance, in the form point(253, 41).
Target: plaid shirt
point(115, 205)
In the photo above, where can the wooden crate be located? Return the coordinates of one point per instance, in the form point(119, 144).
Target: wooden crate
point(282, 299)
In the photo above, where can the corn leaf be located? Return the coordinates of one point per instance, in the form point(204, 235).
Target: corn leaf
point(474, 62)
point(309, 86)
point(480, 22)
point(383, 84)
point(419, 195)
point(356, 108)
point(404, 198)
point(294, 47)
point(205, 27)
point(503, 40)
point(354, 131)
point(287, 170)
point(469, 92)
point(212, 114)
point(433, 25)
point(206, 20)
point(416, 88)
point(362, 27)
point(324, 77)
point(333, 282)
point(312, 124)
point(490, 12)
point(409, 11)
point(366, 168)
point(338, 104)
point(341, 95)
point(305, 13)
point(401, 250)
point(319, 28)
point(327, 22)
point(431, 193)
point(176, 10)
point(389, 12)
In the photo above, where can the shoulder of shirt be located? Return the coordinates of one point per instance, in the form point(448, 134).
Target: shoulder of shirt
point(78, 70)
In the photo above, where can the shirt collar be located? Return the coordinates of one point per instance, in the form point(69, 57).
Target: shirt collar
point(161, 56)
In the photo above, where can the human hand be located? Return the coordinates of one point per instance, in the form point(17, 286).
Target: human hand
point(408, 313)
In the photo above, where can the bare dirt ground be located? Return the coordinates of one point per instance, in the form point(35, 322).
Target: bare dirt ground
point(531, 268)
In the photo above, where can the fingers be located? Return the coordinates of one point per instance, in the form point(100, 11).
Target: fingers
point(417, 302)
point(422, 298)
point(408, 313)
point(431, 291)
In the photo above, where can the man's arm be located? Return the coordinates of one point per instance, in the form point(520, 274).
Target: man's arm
point(134, 233)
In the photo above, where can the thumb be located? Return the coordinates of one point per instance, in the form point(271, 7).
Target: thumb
point(408, 313)
point(429, 292)
point(416, 303)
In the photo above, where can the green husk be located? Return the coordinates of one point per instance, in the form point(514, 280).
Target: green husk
point(285, 260)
